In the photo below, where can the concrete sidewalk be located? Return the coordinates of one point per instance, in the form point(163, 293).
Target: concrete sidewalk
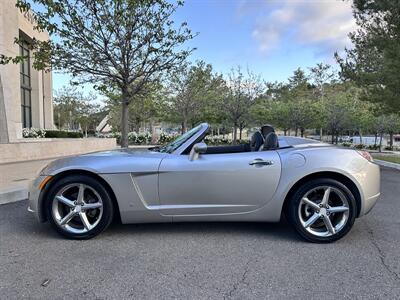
point(15, 177)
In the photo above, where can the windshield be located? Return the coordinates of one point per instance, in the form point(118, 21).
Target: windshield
point(171, 147)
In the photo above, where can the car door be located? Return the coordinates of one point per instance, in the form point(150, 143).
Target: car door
point(217, 183)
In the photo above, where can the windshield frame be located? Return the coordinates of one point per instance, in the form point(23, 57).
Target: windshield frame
point(197, 136)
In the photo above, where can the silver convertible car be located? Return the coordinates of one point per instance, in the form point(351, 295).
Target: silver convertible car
point(319, 188)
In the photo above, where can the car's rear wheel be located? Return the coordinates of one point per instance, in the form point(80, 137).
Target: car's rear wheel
point(322, 210)
point(79, 207)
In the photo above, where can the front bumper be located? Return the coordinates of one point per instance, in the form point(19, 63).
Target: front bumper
point(34, 198)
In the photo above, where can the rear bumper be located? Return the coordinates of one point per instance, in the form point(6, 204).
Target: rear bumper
point(370, 181)
point(369, 204)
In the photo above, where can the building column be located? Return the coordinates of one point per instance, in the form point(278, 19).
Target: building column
point(3, 118)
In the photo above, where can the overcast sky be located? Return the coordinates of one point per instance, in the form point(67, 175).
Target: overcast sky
point(271, 37)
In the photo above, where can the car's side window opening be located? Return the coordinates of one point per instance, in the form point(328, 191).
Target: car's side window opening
point(228, 149)
point(262, 140)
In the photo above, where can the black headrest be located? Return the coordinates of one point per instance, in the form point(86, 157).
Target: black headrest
point(266, 129)
point(256, 141)
point(271, 141)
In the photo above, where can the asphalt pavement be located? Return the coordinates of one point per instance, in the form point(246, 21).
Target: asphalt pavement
point(203, 260)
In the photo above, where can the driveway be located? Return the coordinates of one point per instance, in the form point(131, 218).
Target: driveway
point(203, 260)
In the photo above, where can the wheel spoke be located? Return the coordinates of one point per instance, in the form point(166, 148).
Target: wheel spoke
point(65, 201)
point(338, 209)
point(310, 203)
point(311, 220)
point(67, 218)
point(328, 224)
point(81, 194)
point(326, 196)
point(92, 205)
point(85, 221)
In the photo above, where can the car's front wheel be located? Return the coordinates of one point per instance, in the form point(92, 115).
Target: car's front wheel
point(322, 210)
point(79, 207)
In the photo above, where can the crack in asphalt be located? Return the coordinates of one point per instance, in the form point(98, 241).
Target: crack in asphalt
point(242, 280)
point(382, 255)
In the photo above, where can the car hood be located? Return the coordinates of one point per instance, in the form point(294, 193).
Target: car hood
point(113, 161)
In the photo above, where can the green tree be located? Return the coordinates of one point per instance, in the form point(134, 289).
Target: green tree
point(337, 112)
point(374, 62)
point(74, 110)
point(123, 43)
point(321, 76)
point(272, 107)
point(392, 127)
point(302, 115)
point(390, 124)
point(302, 111)
point(145, 107)
point(89, 116)
point(240, 93)
point(193, 93)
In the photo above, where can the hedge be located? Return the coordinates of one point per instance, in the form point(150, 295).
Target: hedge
point(63, 134)
point(42, 133)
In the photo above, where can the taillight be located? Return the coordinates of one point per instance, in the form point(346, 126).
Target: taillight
point(366, 155)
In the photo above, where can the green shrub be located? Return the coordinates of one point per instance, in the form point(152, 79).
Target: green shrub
point(220, 141)
point(43, 133)
point(139, 138)
point(359, 146)
point(166, 138)
point(373, 147)
point(63, 134)
point(33, 133)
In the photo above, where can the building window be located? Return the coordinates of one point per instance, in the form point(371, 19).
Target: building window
point(25, 77)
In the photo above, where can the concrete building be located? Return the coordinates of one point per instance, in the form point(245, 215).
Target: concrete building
point(25, 93)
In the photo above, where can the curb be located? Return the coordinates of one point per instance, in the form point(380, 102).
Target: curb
point(387, 164)
point(13, 195)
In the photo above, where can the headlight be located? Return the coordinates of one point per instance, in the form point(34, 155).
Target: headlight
point(366, 155)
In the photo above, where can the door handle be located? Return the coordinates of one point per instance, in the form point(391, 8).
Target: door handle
point(261, 162)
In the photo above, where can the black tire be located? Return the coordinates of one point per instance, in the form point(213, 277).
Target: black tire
point(292, 210)
point(107, 205)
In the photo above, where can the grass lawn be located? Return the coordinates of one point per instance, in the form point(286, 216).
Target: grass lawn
point(393, 159)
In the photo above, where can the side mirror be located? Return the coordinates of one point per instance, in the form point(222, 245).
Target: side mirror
point(197, 149)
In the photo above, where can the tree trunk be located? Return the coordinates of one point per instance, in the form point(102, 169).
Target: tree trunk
point(320, 134)
point(240, 133)
point(234, 134)
point(86, 130)
point(333, 137)
point(137, 124)
point(302, 132)
point(380, 142)
point(184, 125)
point(360, 135)
point(124, 121)
point(284, 132)
point(391, 140)
point(376, 139)
point(296, 132)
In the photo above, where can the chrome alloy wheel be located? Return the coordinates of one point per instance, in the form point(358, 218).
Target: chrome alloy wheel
point(323, 211)
point(77, 208)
